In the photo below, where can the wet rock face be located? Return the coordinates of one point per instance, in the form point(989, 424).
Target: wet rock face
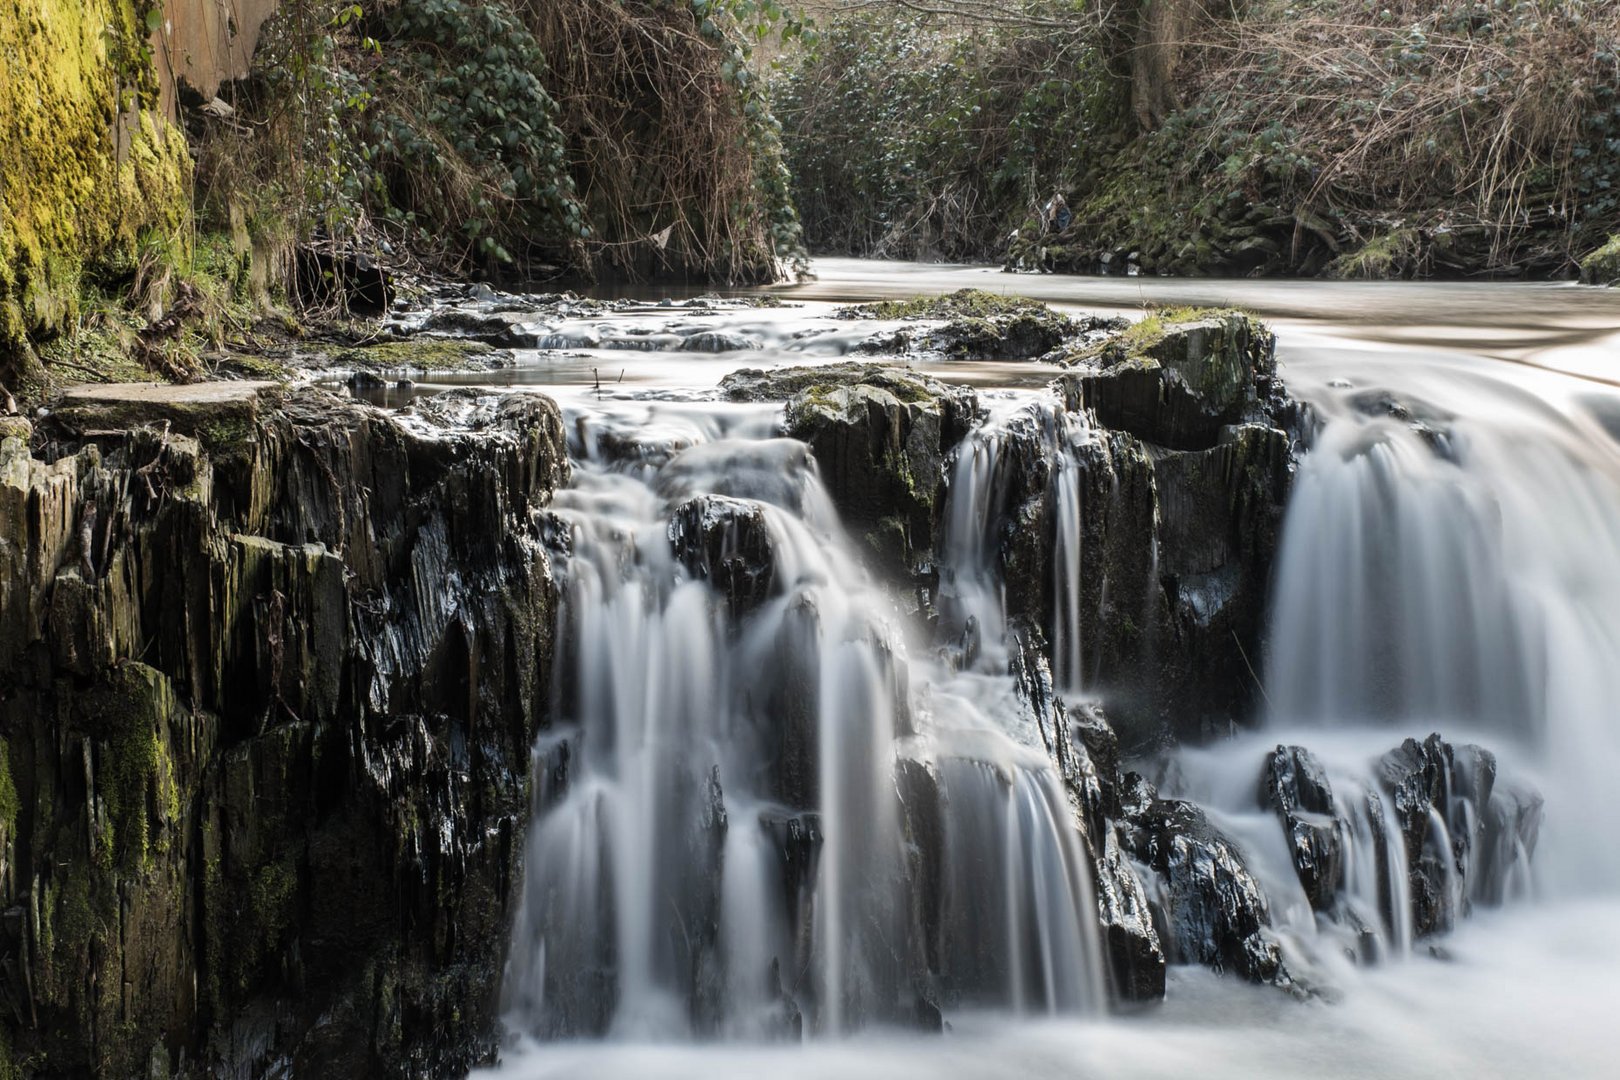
point(726, 542)
point(1082, 744)
point(1136, 963)
point(1296, 786)
point(1212, 909)
point(880, 436)
point(1180, 627)
point(1172, 552)
point(1460, 834)
point(269, 690)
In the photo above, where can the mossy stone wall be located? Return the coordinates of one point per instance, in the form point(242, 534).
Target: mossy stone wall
point(87, 164)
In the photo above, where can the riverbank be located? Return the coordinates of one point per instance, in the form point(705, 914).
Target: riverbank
point(190, 180)
point(1406, 140)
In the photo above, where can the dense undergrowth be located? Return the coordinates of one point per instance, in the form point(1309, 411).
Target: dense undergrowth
point(1359, 139)
point(515, 139)
point(524, 137)
point(912, 134)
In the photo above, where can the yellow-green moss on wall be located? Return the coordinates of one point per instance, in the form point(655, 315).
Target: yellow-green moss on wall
point(86, 163)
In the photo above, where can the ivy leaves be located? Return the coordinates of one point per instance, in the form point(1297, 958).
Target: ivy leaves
point(471, 111)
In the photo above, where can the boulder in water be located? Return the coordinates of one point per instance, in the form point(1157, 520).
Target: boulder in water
point(1211, 908)
point(971, 324)
point(1440, 795)
point(880, 436)
point(1296, 787)
point(502, 327)
point(1136, 964)
point(1176, 382)
point(726, 542)
point(718, 341)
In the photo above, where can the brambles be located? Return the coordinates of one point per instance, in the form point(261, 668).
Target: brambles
point(672, 146)
point(518, 137)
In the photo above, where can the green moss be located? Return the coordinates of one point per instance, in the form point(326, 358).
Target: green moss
point(1602, 267)
point(85, 162)
point(962, 304)
point(1390, 255)
point(227, 430)
point(10, 1069)
point(271, 894)
point(819, 395)
point(10, 804)
point(831, 397)
point(257, 367)
point(68, 922)
point(135, 776)
point(415, 354)
point(1138, 340)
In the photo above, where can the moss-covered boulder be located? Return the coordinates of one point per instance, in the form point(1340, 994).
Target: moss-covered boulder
point(1602, 267)
point(1163, 553)
point(881, 436)
point(422, 353)
point(971, 324)
point(1176, 378)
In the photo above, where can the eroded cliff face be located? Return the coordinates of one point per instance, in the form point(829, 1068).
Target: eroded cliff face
point(271, 666)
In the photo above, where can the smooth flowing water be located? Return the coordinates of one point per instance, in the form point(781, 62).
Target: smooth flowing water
point(725, 844)
point(775, 828)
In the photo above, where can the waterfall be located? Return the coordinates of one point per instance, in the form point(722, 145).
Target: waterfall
point(1454, 570)
point(1021, 468)
point(761, 811)
point(778, 803)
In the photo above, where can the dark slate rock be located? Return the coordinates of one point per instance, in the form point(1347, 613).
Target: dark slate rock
point(1211, 909)
point(1296, 787)
point(726, 542)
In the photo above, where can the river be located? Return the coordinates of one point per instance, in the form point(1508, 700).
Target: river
point(1447, 564)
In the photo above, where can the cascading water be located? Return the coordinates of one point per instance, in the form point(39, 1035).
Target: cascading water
point(759, 815)
point(1453, 570)
point(768, 809)
point(986, 483)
